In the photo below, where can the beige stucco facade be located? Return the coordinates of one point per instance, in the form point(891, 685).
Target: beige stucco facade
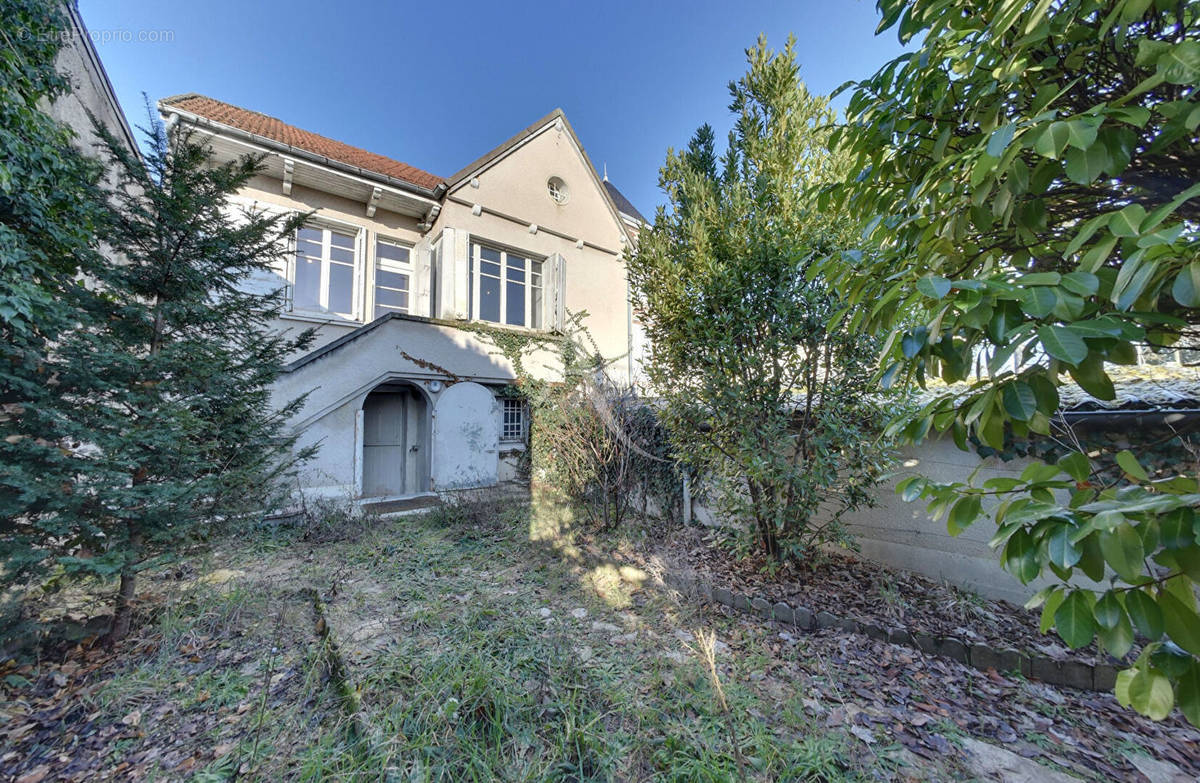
point(406, 386)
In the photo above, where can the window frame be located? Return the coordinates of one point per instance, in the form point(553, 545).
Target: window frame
point(475, 272)
point(395, 267)
point(326, 226)
point(517, 404)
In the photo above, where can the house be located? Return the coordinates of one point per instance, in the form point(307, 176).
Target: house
point(91, 94)
point(414, 281)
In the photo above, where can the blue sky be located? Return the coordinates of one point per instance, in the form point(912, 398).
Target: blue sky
point(438, 84)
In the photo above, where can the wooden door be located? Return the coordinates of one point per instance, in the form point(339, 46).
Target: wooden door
point(385, 444)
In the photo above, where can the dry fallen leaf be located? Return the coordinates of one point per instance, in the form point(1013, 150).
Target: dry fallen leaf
point(34, 775)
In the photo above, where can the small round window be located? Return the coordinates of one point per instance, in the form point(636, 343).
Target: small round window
point(558, 190)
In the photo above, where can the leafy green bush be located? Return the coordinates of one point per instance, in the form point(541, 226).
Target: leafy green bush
point(1033, 183)
point(773, 410)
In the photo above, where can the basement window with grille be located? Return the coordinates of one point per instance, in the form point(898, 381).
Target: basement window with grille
point(512, 426)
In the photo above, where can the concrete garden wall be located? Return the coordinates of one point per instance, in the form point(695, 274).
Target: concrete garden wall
point(902, 535)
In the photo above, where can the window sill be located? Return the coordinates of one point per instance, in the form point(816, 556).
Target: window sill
point(510, 327)
point(313, 318)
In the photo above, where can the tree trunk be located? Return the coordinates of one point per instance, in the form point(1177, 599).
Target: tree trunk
point(123, 615)
point(766, 533)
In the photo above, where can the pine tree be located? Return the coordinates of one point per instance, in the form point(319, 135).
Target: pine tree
point(179, 360)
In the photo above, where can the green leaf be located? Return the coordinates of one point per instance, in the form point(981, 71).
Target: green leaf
point(1051, 142)
point(1150, 694)
point(1177, 528)
point(1187, 694)
point(1085, 233)
point(1159, 214)
point(1047, 394)
point(1187, 285)
point(1107, 521)
point(1000, 139)
point(1081, 133)
point(910, 489)
point(1019, 400)
point(964, 512)
point(1126, 223)
point(1118, 639)
point(1040, 278)
point(1073, 620)
point(889, 376)
point(1098, 255)
point(991, 428)
point(1180, 621)
point(1091, 377)
point(1130, 465)
point(1082, 283)
point(1053, 601)
point(1020, 556)
point(912, 342)
point(1187, 559)
point(1059, 548)
point(1083, 166)
point(1039, 301)
point(1181, 63)
point(933, 286)
point(1063, 344)
point(1108, 610)
point(1122, 550)
point(1133, 115)
point(1092, 562)
point(1076, 465)
point(1121, 691)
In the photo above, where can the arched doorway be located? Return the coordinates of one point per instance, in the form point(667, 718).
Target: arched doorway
point(395, 441)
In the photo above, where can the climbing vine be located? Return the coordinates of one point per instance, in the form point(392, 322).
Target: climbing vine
point(595, 440)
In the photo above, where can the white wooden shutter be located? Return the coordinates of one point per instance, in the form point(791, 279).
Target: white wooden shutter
point(461, 248)
point(558, 297)
point(420, 304)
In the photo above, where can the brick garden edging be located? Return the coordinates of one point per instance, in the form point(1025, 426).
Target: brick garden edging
point(1072, 674)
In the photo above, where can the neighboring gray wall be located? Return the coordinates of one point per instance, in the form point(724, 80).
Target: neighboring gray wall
point(902, 535)
point(91, 90)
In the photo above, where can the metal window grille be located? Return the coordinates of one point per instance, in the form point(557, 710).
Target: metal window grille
point(513, 425)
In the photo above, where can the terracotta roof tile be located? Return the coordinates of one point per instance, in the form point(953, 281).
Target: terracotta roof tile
point(277, 130)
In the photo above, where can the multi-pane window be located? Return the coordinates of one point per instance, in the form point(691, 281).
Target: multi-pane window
point(512, 426)
point(393, 277)
point(323, 276)
point(505, 287)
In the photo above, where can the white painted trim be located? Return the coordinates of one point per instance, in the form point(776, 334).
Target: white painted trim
point(302, 156)
point(357, 294)
point(556, 123)
point(289, 171)
point(385, 377)
point(372, 266)
point(359, 423)
point(473, 179)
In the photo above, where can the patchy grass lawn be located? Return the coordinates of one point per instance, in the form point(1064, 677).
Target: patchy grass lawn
point(483, 643)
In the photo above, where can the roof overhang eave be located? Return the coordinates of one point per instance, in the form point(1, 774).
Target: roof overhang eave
point(434, 194)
